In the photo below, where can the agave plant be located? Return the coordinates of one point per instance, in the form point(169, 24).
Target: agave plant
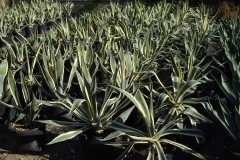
point(29, 107)
point(229, 115)
point(67, 8)
point(92, 113)
point(42, 16)
point(31, 18)
point(53, 71)
point(194, 68)
point(5, 26)
point(154, 135)
point(52, 13)
point(24, 59)
point(18, 20)
point(176, 101)
point(64, 31)
point(22, 6)
point(229, 37)
point(229, 120)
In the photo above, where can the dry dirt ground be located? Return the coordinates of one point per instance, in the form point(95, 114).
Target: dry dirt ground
point(212, 149)
point(69, 149)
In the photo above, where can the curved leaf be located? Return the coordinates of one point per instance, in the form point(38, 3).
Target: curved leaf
point(76, 104)
point(127, 150)
point(62, 123)
point(126, 129)
point(68, 135)
point(186, 88)
point(3, 74)
point(183, 147)
point(124, 115)
point(112, 135)
point(161, 154)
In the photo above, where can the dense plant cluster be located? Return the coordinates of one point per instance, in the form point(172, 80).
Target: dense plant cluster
point(33, 13)
point(131, 71)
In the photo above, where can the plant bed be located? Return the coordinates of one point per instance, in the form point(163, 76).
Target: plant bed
point(212, 148)
point(8, 149)
point(29, 141)
point(153, 88)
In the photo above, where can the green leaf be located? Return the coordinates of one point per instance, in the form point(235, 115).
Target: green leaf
point(183, 147)
point(62, 123)
point(113, 135)
point(124, 115)
point(3, 74)
point(13, 89)
point(140, 103)
point(187, 132)
point(160, 151)
point(113, 64)
point(225, 86)
point(25, 91)
point(24, 112)
point(31, 110)
point(126, 129)
point(77, 103)
point(74, 67)
point(161, 99)
point(194, 113)
point(108, 93)
point(68, 135)
point(237, 120)
point(186, 87)
point(57, 104)
point(41, 88)
point(227, 121)
point(35, 108)
point(47, 72)
point(124, 154)
point(228, 90)
point(59, 73)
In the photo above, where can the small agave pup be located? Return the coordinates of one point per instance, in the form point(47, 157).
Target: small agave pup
point(155, 133)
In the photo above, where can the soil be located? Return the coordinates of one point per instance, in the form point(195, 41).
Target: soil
point(69, 149)
point(211, 149)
